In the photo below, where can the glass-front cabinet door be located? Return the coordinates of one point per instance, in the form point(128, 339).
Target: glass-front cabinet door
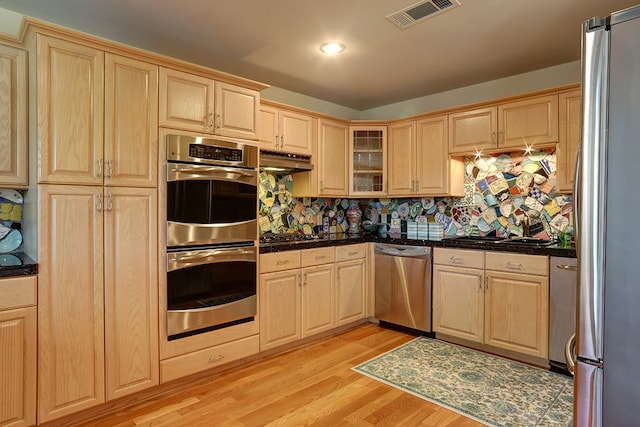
point(368, 160)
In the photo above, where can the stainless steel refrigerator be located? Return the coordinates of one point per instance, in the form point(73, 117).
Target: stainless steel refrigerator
point(607, 347)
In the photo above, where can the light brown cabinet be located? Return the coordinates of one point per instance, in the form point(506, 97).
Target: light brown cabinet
point(569, 139)
point(295, 302)
point(517, 303)
point(330, 176)
point(285, 130)
point(419, 162)
point(98, 116)
point(498, 299)
point(351, 283)
point(97, 296)
point(13, 111)
point(529, 122)
point(458, 293)
point(18, 336)
point(131, 122)
point(70, 95)
point(200, 104)
point(367, 160)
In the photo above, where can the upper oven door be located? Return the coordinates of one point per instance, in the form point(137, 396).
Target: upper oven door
point(210, 205)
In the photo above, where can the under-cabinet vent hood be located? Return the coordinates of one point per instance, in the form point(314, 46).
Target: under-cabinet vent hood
point(284, 162)
point(420, 11)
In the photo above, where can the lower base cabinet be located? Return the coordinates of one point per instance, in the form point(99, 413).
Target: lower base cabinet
point(299, 301)
point(351, 283)
point(498, 299)
point(303, 293)
point(18, 340)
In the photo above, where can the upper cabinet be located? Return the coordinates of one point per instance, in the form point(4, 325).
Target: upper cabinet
point(419, 162)
point(332, 158)
point(70, 112)
point(530, 122)
point(567, 150)
point(367, 160)
point(285, 130)
point(13, 111)
point(131, 122)
point(200, 104)
point(97, 116)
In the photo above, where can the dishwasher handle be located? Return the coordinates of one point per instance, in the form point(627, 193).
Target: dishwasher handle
point(403, 251)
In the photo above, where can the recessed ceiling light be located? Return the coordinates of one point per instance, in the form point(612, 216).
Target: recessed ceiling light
point(332, 48)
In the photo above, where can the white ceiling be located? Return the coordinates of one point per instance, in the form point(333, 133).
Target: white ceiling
point(276, 41)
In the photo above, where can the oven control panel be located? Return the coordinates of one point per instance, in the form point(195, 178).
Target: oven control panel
point(212, 152)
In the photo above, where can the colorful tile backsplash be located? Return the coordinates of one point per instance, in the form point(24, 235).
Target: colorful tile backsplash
point(501, 193)
point(11, 202)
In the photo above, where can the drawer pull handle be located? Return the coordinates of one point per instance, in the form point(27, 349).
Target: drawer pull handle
point(513, 266)
point(567, 267)
point(353, 253)
point(456, 260)
point(282, 262)
point(214, 359)
point(318, 257)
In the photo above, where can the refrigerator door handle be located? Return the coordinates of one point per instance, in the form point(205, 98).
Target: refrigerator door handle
point(590, 213)
point(570, 354)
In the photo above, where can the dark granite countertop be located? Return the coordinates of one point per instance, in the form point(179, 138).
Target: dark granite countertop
point(17, 264)
point(503, 246)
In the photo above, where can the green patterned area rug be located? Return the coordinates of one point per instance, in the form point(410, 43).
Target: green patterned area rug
point(489, 389)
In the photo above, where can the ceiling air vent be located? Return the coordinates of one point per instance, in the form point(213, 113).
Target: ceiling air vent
point(420, 11)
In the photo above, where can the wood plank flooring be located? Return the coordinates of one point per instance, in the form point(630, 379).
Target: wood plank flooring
point(308, 386)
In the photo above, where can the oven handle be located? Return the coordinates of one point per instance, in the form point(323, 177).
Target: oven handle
point(178, 260)
point(209, 170)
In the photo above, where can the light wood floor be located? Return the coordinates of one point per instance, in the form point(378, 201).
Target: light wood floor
point(311, 385)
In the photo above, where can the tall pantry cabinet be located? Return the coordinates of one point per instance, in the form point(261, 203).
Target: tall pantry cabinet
point(97, 217)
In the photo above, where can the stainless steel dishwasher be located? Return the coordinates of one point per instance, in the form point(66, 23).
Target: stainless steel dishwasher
point(563, 288)
point(403, 285)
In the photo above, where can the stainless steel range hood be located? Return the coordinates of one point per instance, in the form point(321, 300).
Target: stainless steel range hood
point(284, 162)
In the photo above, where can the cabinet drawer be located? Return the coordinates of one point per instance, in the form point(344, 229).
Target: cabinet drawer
point(349, 252)
point(279, 261)
point(208, 358)
point(517, 263)
point(311, 257)
point(458, 257)
point(17, 292)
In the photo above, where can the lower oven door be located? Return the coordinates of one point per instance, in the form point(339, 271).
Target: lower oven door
point(210, 288)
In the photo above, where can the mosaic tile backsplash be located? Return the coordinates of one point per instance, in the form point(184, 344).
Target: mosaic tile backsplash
point(11, 202)
point(501, 192)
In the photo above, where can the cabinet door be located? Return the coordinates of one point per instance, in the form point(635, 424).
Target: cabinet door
point(131, 290)
point(458, 302)
point(474, 130)
point(70, 300)
point(279, 308)
point(317, 299)
point(568, 139)
point(528, 123)
point(350, 291)
point(186, 101)
point(236, 111)
point(13, 111)
point(295, 132)
point(517, 313)
point(131, 122)
point(436, 173)
point(18, 338)
point(367, 160)
point(70, 112)
point(332, 159)
point(401, 149)
point(268, 127)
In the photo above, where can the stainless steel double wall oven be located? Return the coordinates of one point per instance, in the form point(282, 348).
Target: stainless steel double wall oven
point(211, 226)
